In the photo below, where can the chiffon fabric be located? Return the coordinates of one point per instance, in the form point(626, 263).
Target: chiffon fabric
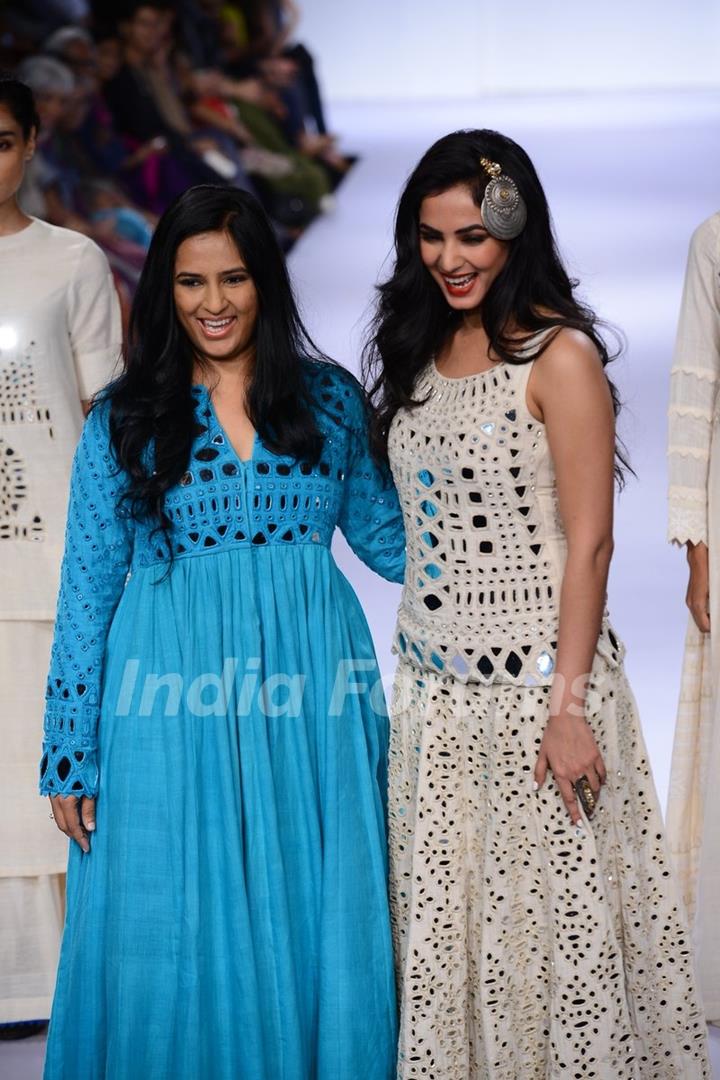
point(231, 919)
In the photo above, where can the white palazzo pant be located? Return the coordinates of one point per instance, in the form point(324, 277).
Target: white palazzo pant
point(33, 852)
point(693, 814)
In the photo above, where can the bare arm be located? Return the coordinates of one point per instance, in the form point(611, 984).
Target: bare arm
point(569, 388)
point(697, 596)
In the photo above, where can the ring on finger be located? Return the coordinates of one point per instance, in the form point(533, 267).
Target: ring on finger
point(585, 794)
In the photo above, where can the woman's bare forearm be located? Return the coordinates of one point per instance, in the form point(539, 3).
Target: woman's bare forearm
point(582, 603)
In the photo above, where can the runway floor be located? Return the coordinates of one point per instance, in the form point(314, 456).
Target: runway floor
point(628, 178)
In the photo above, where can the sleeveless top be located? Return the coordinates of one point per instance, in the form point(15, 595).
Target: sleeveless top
point(485, 542)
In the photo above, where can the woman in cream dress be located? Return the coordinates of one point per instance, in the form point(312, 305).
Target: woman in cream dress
point(59, 339)
point(538, 930)
point(694, 521)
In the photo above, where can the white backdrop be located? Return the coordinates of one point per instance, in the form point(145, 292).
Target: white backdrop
point(400, 50)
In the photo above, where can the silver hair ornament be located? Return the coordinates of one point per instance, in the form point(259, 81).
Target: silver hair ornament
point(503, 208)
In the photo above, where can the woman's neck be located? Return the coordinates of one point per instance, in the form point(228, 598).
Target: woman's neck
point(12, 218)
point(226, 376)
point(472, 320)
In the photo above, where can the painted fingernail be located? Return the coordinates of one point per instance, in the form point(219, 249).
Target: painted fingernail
point(536, 786)
point(90, 826)
point(580, 824)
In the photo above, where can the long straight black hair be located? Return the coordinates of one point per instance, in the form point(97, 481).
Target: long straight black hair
point(532, 292)
point(151, 402)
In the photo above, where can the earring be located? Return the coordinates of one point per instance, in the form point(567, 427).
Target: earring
point(503, 208)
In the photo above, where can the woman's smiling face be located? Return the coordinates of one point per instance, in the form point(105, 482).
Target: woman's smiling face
point(456, 248)
point(215, 298)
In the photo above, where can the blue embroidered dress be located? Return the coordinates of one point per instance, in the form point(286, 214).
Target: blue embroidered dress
point(230, 921)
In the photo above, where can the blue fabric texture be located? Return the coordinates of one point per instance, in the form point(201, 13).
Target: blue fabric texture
point(231, 918)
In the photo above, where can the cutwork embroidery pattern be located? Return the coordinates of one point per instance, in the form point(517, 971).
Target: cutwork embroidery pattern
point(18, 391)
point(480, 601)
point(524, 948)
point(18, 405)
point(220, 503)
point(13, 496)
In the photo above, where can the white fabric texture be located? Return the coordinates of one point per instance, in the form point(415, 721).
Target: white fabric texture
point(60, 340)
point(30, 843)
point(32, 912)
point(693, 812)
point(524, 947)
point(693, 388)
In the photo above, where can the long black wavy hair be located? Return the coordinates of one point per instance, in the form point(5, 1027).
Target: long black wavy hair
point(151, 401)
point(412, 320)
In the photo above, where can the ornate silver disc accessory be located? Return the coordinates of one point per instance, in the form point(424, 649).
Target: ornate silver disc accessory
point(503, 208)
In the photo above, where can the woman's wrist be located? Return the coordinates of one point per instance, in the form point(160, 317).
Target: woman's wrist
point(696, 553)
point(568, 695)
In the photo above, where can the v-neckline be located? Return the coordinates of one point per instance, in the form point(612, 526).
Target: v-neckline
point(228, 441)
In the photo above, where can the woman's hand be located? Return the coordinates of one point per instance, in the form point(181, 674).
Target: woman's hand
point(698, 590)
point(569, 750)
point(75, 817)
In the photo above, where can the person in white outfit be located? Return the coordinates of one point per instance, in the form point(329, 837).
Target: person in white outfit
point(60, 339)
point(537, 928)
point(693, 816)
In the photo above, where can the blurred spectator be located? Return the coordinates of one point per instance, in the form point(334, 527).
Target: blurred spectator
point(75, 47)
point(140, 100)
point(52, 84)
point(106, 205)
point(255, 39)
point(34, 20)
point(152, 175)
point(52, 188)
point(145, 102)
point(158, 92)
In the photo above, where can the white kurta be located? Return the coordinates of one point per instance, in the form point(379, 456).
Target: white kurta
point(60, 340)
point(693, 818)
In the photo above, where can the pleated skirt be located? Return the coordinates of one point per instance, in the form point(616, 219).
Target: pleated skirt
point(231, 920)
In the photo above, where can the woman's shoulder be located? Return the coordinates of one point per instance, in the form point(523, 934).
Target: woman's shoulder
point(69, 242)
point(335, 390)
point(569, 371)
point(331, 375)
point(705, 240)
point(74, 260)
point(95, 439)
point(567, 349)
point(569, 364)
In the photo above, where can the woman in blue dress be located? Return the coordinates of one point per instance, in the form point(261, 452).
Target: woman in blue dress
point(216, 733)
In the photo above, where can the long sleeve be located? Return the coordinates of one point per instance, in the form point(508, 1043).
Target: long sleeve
point(94, 323)
point(98, 542)
point(370, 518)
point(693, 388)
